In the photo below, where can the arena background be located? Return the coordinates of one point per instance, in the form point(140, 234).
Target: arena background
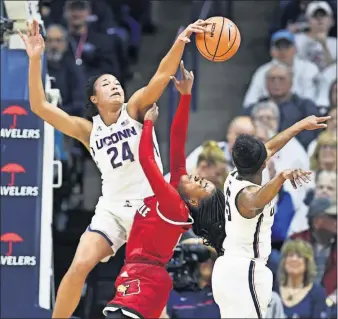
point(49, 185)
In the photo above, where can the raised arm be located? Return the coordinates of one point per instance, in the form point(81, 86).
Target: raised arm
point(168, 198)
point(146, 154)
point(179, 127)
point(251, 200)
point(309, 123)
point(142, 99)
point(73, 126)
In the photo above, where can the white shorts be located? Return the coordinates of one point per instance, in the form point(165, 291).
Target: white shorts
point(114, 221)
point(242, 288)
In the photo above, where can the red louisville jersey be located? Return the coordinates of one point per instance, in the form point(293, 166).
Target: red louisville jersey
point(153, 236)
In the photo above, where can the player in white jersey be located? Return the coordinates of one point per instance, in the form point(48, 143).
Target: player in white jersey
point(113, 140)
point(242, 284)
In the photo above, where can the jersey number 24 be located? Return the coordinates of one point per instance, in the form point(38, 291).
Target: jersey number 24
point(126, 155)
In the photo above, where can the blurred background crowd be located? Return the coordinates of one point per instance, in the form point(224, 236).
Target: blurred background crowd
point(295, 75)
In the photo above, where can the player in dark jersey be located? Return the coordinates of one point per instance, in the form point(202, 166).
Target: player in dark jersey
point(143, 285)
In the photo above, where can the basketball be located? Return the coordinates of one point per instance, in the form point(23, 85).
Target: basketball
point(222, 42)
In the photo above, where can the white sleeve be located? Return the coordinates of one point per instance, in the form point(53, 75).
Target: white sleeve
point(309, 88)
point(300, 41)
point(332, 44)
point(299, 221)
point(325, 79)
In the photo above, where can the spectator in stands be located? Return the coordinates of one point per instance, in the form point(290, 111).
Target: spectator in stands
point(293, 16)
point(301, 296)
point(211, 164)
point(292, 108)
point(315, 45)
point(100, 18)
point(325, 153)
point(262, 131)
point(92, 50)
point(331, 123)
point(68, 78)
point(326, 81)
point(333, 97)
point(322, 236)
point(239, 125)
point(283, 51)
point(198, 302)
point(326, 185)
point(140, 10)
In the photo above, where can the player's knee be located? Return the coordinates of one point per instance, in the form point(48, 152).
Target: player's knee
point(82, 265)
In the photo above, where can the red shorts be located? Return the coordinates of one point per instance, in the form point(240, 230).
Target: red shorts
point(142, 290)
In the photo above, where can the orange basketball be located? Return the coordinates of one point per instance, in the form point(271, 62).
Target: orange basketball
point(222, 42)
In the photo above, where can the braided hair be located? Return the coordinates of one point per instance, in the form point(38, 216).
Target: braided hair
point(91, 108)
point(209, 220)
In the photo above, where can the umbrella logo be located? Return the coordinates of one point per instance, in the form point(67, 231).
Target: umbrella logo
point(10, 238)
point(15, 111)
point(12, 169)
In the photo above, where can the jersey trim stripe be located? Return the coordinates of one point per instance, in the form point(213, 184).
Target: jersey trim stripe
point(169, 221)
point(256, 236)
point(105, 236)
point(112, 307)
point(252, 288)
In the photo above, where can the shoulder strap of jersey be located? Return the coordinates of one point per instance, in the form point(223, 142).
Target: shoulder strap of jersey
point(96, 119)
point(238, 183)
point(124, 107)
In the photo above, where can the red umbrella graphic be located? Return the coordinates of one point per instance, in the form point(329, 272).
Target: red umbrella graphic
point(10, 238)
point(13, 169)
point(15, 111)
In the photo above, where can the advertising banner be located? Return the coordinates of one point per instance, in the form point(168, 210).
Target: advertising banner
point(22, 147)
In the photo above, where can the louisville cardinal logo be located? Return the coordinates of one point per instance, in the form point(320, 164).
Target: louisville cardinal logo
point(131, 287)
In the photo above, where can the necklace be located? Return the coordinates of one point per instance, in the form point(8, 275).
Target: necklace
point(293, 292)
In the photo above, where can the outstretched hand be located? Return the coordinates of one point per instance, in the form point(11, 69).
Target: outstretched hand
point(152, 114)
point(33, 40)
point(313, 122)
point(200, 26)
point(184, 86)
point(297, 177)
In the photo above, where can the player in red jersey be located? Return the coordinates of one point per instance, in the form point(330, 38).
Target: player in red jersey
point(143, 285)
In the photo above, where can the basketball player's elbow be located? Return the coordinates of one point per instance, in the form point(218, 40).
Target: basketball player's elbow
point(37, 107)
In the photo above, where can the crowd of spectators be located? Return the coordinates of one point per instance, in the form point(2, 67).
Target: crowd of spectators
point(299, 81)
point(85, 38)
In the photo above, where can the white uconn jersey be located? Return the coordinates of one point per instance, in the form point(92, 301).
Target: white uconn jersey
point(115, 150)
point(249, 238)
